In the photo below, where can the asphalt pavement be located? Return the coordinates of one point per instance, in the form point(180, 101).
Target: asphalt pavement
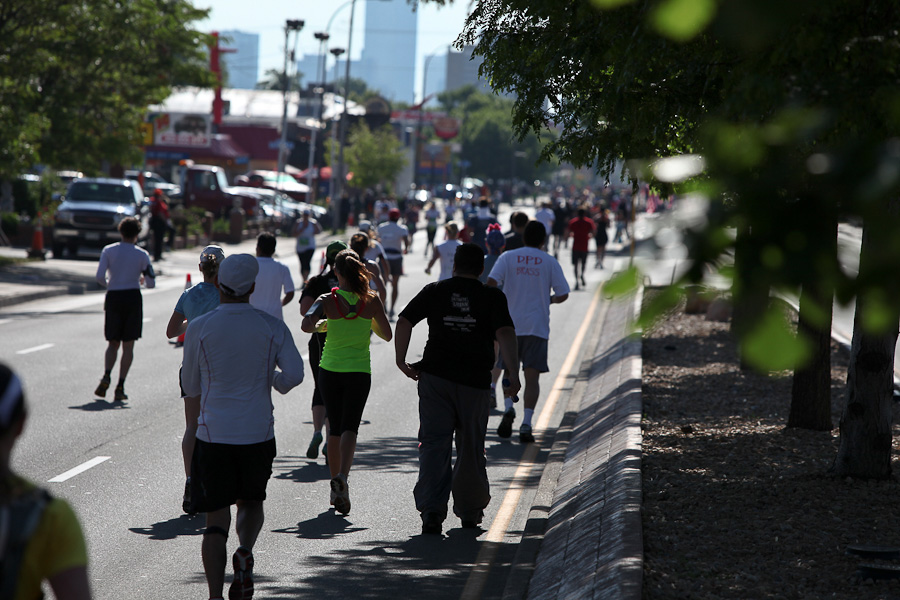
point(582, 538)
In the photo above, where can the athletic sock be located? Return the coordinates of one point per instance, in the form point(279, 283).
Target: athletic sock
point(526, 419)
point(508, 403)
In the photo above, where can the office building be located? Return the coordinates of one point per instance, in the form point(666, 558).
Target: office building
point(242, 66)
point(388, 60)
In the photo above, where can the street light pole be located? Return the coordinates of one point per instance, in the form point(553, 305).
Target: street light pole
point(343, 123)
point(290, 25)
point(323, 40)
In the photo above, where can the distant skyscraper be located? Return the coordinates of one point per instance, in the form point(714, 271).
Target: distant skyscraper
point(242, 66)
point(388, 61)
point(462, 71)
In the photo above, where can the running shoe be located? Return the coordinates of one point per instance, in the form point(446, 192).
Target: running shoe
point(313, 450)
point(525, 435)
point(120, 395)
point(342, 493)
point(102, 387)
point(466, 524)
point(431, 524)
point(242, 584)
point(505, 428)
point(583, 282)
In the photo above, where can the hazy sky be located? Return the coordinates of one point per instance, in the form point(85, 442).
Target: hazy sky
point(438, 27)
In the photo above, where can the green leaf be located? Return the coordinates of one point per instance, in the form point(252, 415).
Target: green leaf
point(771, 346)
point(683, 20)
point(622, 283)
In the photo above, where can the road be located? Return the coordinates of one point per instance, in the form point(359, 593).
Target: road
point(128, 477)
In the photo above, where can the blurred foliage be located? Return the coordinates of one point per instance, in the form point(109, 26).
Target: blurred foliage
point(76, 77)
point(374, 157)
point(488, 140)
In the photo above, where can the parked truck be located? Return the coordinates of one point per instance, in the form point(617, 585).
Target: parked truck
point(206, 187)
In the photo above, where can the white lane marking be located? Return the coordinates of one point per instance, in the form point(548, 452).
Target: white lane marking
point(79, 469)
point(35, 349)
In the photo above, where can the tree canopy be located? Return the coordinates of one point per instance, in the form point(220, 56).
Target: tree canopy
point(374, 157)
point(76, 77)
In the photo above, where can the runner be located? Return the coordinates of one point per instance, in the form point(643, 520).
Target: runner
point(601, 235)
point(231, 358)
point(274, 276)
point(345, 370)
point(395, 239)
point(432, 214)
point(128, 267)
point(453, 387)
point(580, 229)
point(41, 538)
point(517, 222)
point(305, 230)
point(528, 276)
point(193, 302)
point(315, 287)
point(546, 217)
point(376, 251)
point(478, 223)
point(495, 241)
point(445, 252)
point(360, 243)
point(562, 214)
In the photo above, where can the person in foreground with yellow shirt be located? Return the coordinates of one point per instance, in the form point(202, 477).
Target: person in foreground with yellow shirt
point(40, 538)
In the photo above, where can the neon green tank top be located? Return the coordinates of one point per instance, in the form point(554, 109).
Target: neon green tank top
point(347, 344)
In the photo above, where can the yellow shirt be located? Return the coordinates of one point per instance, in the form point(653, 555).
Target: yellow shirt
point(56, 545)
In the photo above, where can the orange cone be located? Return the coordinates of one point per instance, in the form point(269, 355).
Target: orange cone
point(37, 241)
point(187, 286)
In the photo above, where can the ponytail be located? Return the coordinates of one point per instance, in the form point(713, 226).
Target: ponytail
point(351, 268)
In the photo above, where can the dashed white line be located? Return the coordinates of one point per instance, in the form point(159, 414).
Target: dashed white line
point(79, 469)
point(35, 349)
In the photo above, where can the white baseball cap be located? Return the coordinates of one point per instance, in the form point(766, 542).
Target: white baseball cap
point(237, 274)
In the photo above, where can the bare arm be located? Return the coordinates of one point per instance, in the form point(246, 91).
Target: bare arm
point(287, 298)
point(177, 325)
point(434, 258)
point(375, 277)
point(559, 299)
point(401, 347)
point(308, 325)
point(493, 283)
point(380, 324)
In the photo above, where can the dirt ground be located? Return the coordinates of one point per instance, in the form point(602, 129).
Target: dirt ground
point(735, 504)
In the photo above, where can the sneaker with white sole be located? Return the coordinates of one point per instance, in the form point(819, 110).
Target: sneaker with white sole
point(342, 493)
point(242, 584)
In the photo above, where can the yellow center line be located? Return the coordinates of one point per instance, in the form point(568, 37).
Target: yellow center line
point(499, 527)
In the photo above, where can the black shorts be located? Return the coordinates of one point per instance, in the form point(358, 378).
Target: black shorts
point(222, 474)
point(532, 353)
point(306, 259)
point(395, 262)
point(579, 256)
point(345, 397)
point(124, 315)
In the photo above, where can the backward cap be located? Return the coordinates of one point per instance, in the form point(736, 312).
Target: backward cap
point(238, 273)
point(212, 253)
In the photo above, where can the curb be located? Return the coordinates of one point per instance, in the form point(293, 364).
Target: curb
point(588, 537)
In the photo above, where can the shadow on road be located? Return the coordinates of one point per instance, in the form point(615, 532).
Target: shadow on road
point(171, 529)
point(325, 526)
point(98, 405)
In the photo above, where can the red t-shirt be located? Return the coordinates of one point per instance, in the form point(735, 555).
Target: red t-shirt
point(582, 229)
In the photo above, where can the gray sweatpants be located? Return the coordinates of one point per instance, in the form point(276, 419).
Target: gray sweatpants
point(445, 409)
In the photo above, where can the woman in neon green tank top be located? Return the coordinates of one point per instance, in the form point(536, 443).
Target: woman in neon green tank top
point(353, 310)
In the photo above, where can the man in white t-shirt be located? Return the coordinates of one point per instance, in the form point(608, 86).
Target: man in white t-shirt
point(532, 280)
point(546, 217)
point(305, 231)
point(274, 276)
point(395, 240)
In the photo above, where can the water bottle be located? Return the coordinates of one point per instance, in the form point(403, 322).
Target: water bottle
point(505, 388)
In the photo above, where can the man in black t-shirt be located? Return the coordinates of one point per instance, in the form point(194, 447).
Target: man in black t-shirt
point(464, 318)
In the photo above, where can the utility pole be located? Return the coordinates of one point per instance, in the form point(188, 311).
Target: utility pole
point(289, 26)
point(320, 86)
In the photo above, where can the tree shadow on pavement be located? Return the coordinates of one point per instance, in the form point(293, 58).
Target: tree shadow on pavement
point(423, 566)
point(300, 469)
point(171, 529)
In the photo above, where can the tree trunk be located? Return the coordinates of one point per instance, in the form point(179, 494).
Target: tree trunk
point(811, 386)
point(866, 436)
point(750, 302)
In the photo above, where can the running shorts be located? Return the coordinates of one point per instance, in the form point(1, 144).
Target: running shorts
point(532, 353)
point(345, 397)
point(222, 474)
point(124, 315)
point(306, 259)
point(396, 265)
point(579, 256)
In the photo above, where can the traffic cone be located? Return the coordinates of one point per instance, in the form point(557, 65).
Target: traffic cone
point(187, 286)
point(37, 241)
